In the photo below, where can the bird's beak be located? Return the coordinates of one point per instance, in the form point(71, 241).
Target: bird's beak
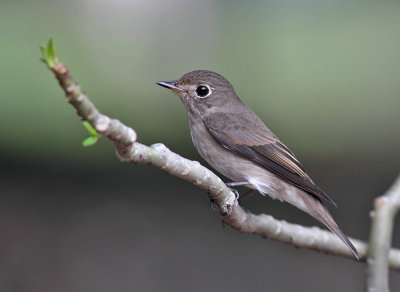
point(171, 85)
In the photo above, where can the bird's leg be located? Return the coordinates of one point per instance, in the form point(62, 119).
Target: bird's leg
point(240, 183)
point(246, 195)
point(237, 183)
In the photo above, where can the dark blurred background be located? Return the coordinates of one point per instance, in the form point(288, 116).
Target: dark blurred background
point(324, 75)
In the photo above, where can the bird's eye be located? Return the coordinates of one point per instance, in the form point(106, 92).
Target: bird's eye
point(203, 91)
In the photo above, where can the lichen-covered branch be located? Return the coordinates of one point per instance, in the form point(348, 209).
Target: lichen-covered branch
point(379, 260)
point(158, 155)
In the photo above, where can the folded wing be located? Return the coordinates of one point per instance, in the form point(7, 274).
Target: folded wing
point(251, 139)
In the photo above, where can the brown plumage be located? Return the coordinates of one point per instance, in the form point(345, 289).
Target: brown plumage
point(233, 140)
point(250, 138)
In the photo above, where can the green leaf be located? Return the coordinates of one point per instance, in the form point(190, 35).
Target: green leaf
point(49, 54)
point(94, 136)
point(89, 141)
point(51, 50)
point(90, 129)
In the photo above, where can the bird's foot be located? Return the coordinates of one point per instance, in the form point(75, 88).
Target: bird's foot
point(236, 192)
point(240, 183)
point(212, 205)
point(236, 184)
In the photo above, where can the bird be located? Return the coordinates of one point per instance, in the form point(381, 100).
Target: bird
point(232, 139)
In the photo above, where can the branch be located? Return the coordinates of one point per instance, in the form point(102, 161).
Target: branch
point(128, 150)
point(383, 216)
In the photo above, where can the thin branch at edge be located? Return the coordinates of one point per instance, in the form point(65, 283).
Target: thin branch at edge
point(383, 216)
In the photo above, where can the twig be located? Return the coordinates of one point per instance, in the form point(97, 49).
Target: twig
point(383, 216)
point(158, 155)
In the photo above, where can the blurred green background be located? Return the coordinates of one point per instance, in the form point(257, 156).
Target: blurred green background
point(323, 75)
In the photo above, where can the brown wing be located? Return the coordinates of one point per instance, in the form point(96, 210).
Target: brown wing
point(250, 138)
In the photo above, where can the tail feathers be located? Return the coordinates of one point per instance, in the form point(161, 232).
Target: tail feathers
point(323, 215)
point(310, 204)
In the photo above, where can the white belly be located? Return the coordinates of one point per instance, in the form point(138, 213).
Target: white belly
point(239, 169)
